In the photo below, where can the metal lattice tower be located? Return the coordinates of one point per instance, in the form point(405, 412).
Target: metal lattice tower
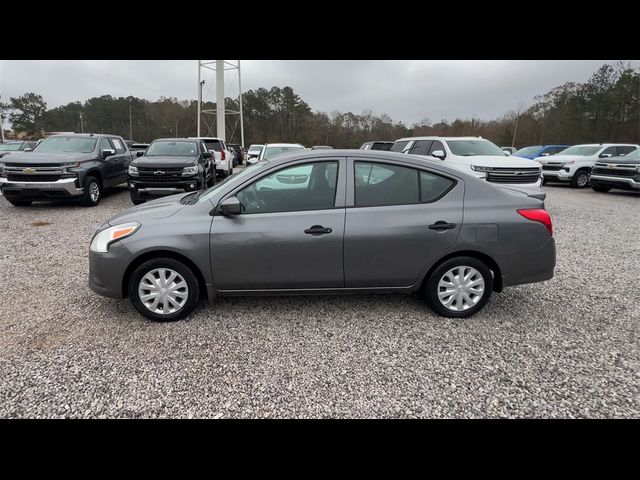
point(223, 130)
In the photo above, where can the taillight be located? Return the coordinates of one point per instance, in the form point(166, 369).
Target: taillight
point(538, 215)
point(222, 155)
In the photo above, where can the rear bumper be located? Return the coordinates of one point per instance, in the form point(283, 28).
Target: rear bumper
point(535, 267)
point(65, 187)
point(615, 182)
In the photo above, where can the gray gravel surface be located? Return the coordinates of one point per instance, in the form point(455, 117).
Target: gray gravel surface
point(565, 348)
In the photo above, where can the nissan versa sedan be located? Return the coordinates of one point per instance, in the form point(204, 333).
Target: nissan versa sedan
point(327, 222)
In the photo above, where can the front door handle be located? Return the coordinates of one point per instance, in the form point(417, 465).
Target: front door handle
point(317, 230)
point(441, 225)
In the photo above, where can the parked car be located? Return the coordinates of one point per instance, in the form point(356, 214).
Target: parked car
point(479, 157)
point(400, 225)
point(271, 150)
point(169, 166)
point(74, 166)
point(377, 145)
point(16, 146)
point(253, 153)
point(536, 151)
point(223, 156)
point(321, 147)
point(236, 152)
point(508, 150)
point(622, 172)
point(574, 164)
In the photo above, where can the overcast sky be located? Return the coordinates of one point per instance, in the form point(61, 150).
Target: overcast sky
point(406, 90)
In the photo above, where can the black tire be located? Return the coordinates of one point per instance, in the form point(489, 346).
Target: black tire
point(88, 198)
point(580, 179)
point(18, 203)
point(212, 180)
point(168, 263)
point(136, 200)
point(431, 288)
point(601, 189)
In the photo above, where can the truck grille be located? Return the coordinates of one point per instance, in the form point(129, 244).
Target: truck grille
point(513, 175)
point(614, 170)
point(553, 167)
point(18, 177)
point(152, 175)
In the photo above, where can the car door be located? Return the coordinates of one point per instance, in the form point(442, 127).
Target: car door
point(290, 234)
point(121, 161)
point(397, 219)
point(109, 164)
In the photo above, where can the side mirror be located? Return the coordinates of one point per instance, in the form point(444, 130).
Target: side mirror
point(605, 155)
point(231, 206)
point(507, 152)
point(545, 154)
point(438, 154)
point(28, 149)
point(206, 155)
point(139, 153)
point(107, 152)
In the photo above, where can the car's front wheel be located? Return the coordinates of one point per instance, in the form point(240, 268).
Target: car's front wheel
point(580, 179)
point(459, 287)
point(164, 289)
point(92, 192)
point(600, 189)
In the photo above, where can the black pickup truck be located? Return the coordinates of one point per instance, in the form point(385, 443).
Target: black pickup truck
point(65, 167)
point(621, 172)
point(169, 166)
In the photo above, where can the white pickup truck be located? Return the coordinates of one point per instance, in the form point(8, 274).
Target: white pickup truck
point(223, 156)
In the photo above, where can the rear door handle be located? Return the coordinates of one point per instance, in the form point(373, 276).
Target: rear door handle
point(317, 230)
point(441, 225)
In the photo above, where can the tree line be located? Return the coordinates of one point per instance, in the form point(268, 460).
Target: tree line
point(603, 109)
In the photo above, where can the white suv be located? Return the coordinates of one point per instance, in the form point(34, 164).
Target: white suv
point(223, 156)
point(480, 157)
point(574, 164)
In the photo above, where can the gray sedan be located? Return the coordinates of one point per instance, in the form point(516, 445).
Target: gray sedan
point(326, 222)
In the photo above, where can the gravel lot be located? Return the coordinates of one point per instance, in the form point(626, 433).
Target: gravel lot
point(565, 348)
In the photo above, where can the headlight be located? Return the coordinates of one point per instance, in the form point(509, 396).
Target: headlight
point(190, 170)
point(106, 237)
point(67, 166)
point(570, 162)
point(477, 168)
point(133, 170)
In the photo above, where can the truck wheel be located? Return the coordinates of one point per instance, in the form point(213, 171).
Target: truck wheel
point(19, 203)
point(92, 192)
point(135, 199)
point(601, 189)
point(163, 289)
point(212, 180)
point(580, 179)
point(459, 287)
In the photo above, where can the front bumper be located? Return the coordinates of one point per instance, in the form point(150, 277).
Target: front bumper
point(107, 270)
point(142, 188)
point(65, 187)
point(614, 182)
point(558, 175)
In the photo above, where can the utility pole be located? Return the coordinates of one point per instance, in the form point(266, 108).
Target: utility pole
point(515, 131)
point(176, 128)
point(241, 119)
point(130, 124)
point(220, 125)
point(1, 123)
point(81, 123)
point(200, 84)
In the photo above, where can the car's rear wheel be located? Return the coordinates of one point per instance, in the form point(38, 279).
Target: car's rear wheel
point(601, 189)
point(459, 287)
point(19, 203)
point(92, 192)
point(580, 179)
point(164, 289)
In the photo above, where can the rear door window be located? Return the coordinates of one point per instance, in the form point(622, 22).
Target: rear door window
point(116, 143)
point(624, 149)
point(378, 184)
point(433, 187)
point(213, 145)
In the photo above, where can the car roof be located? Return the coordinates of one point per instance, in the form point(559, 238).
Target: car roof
point(284, 144)
point(605, 145)
point(175, 139)
point(204, 138)
point(434, 137)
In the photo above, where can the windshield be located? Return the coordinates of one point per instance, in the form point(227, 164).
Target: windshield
point(66, 145)
point(172, 149)
point(471, 148)
point(230, 180)
point(271, 152)
point(10, 147)
point(581, 150)
point(528, 151)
